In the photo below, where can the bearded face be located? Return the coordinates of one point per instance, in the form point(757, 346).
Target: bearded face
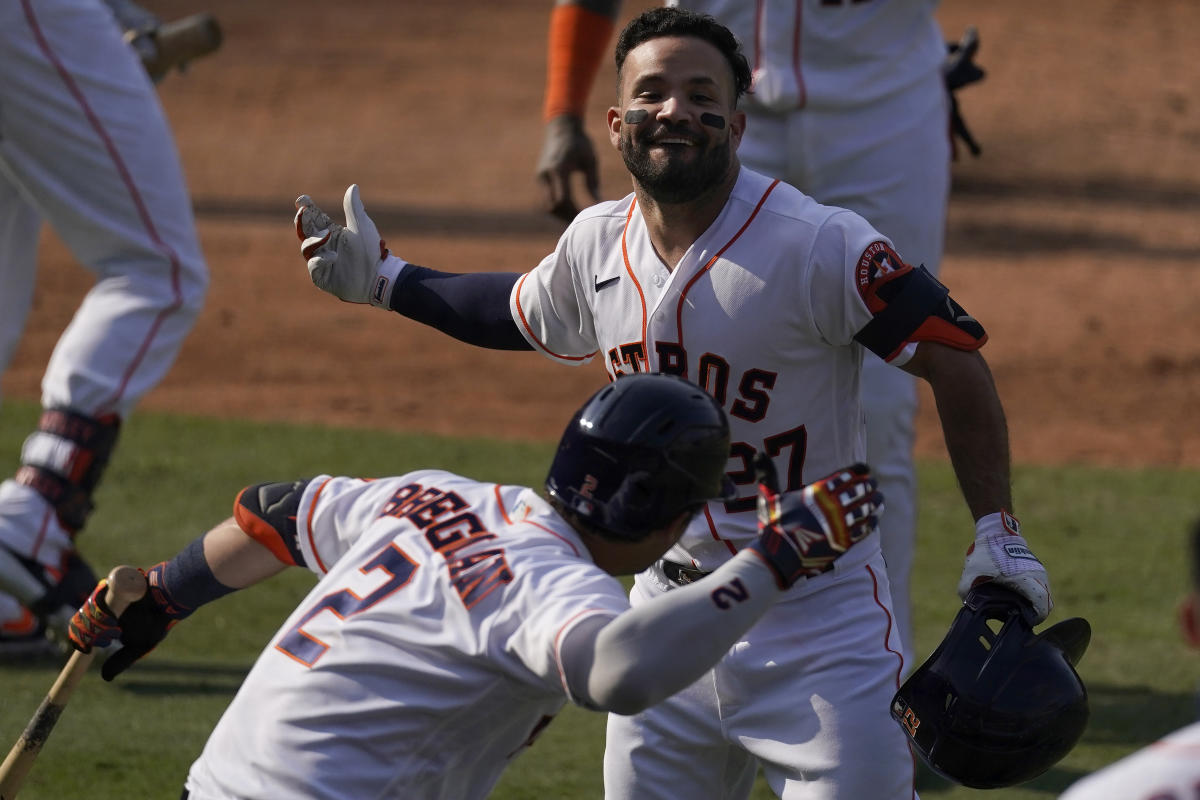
point(675, 163)
point(677, 126)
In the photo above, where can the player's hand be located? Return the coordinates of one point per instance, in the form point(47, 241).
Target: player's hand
point(139, 628)
point(349, 261)
point(93, 625)
point(959, 70)
point(999, 553)
point(802, 533)
point(566, 149)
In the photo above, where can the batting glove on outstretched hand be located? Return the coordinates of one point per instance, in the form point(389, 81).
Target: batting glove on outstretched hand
point(999, 553)
point(802, 533)
point(139, 629)
point(349, 261)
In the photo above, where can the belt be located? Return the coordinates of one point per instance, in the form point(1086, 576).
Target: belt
point(681, 574)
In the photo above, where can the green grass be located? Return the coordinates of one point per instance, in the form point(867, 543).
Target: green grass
point(1113, 541)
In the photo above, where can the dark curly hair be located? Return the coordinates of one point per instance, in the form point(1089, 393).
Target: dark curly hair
point(659, 22)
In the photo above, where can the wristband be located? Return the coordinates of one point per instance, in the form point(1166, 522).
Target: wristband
point(386, 278)
point(186, 582)
point(1000, 522)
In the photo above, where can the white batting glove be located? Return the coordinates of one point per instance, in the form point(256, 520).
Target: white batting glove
point(350, 262)
point(999, 553)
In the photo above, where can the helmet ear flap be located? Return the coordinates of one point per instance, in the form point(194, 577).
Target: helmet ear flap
point(1072, 636)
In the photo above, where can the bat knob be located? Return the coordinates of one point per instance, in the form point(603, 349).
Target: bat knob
point(126, 585)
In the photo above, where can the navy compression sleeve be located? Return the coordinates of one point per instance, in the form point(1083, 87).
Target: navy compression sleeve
point(471, 307)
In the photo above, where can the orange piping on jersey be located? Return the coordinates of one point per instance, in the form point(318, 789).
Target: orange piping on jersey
point(533, 336)
point(887, 631)
point(712, 528)
point(700, 272)
point(555, 534)
point(261, 531)
point(632, 276)
point(500, 504)
point(312, 507)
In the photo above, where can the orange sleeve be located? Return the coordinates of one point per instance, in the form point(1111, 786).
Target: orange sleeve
point(578, 41)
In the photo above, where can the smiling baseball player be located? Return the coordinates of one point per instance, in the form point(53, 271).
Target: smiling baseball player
point(767, 300)
point(849, 105)
point(454, 618)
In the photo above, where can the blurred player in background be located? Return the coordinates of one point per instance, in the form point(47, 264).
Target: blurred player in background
point(849, 104)
point(85, 146)
point(1169, 769)
point(454, 619)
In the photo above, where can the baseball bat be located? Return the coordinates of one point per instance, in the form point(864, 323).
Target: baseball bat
point(125, 585)
point(180, 41)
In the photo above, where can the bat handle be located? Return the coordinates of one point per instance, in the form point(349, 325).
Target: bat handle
point(126, 585)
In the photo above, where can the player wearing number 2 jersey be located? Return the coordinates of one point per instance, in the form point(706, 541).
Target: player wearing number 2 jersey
point(454, 618)
point(768, 300)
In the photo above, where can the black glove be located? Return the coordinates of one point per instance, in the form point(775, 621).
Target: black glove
point(802, 533)
point(959, 70)
point(140, 628)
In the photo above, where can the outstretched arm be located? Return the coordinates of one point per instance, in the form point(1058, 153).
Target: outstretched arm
point(251, 546)
point(631, 661)
point(627, 663)
point(352, 262)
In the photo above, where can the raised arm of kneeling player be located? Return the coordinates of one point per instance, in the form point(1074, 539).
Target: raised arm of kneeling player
point(629, 662)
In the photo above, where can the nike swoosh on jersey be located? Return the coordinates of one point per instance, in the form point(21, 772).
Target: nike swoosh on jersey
point(601, 284)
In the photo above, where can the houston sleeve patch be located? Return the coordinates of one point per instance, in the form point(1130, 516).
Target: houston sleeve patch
point(909, 305)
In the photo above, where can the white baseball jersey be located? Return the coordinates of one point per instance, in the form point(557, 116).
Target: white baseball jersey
point(761, 312)
point(849, 105)
point(830, 54)
point(1169, 769)
point(427, 656)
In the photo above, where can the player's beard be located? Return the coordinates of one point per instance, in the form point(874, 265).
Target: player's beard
point(675, 179)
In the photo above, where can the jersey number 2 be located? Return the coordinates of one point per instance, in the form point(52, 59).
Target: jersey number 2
point(306, 648)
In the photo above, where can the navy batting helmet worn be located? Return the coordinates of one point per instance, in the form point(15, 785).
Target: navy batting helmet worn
point(996, 704)
point(639, 452)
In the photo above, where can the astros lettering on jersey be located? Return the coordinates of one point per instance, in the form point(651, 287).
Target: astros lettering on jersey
point(761, 316)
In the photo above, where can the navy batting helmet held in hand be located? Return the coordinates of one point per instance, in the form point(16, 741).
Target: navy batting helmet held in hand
point(642, 450)
point(996, 704)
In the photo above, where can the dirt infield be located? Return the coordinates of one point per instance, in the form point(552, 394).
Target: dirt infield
point(1074, 239)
